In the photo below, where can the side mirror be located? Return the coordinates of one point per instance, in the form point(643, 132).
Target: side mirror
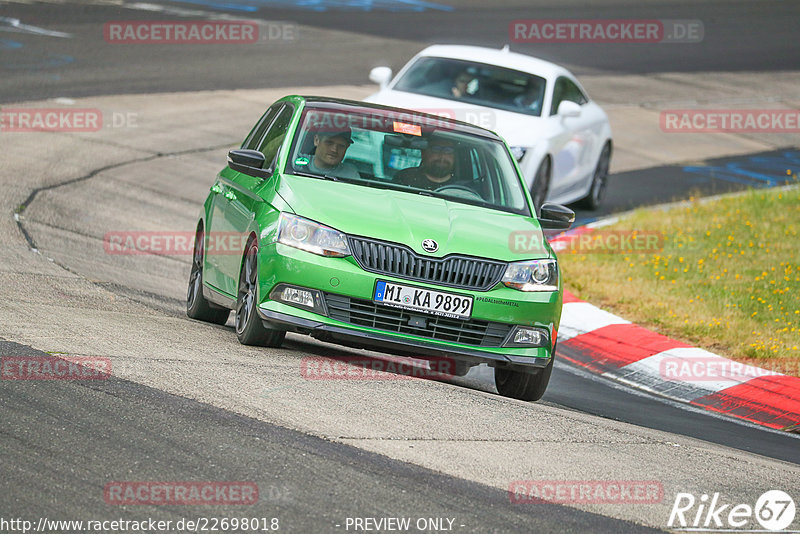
point(555, 217)
point(381, 75)
point(250, 162)
point(569, 109)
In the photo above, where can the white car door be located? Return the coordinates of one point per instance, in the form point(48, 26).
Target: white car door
point(574, 140)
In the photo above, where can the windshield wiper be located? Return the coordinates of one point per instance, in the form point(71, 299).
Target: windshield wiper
point(322, 176)
point(461, 200)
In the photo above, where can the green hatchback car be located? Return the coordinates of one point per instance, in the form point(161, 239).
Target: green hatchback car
point(385, 229)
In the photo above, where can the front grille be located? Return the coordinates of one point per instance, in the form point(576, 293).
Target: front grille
point(367, 313)
point(453, 271)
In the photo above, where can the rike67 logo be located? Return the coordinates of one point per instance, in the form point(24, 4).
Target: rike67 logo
point(774, 511)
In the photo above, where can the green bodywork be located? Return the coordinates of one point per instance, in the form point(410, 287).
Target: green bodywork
point(249, 207)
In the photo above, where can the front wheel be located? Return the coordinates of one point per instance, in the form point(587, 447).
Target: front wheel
point(249, 328)
point(197, 307)
point(523, 385)
point(599, 180)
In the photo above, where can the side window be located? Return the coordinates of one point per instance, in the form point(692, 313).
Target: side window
point(475, 164)
point(258, 130)
point(573, 93)
point(565, 89)
point(558, 95)
point(496, 186)
point(276, 134)
point(481, 179)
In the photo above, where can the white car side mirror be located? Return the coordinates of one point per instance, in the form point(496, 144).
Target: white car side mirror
point(381, 76)
point(569, 109)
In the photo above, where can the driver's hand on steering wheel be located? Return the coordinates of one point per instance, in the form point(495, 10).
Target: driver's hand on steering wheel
point(459, 187)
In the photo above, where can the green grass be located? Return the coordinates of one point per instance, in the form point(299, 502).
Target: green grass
point(727, 278)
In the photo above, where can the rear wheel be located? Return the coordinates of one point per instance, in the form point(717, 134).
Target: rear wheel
point(541, 185)
point(599, 180)
point(250, 330)
point(523, 385)
point(197, 307)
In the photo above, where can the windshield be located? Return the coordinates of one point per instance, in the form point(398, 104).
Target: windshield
point(476, 83)
point(406, 152)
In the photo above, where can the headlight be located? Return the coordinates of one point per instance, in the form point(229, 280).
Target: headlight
point(534, 275)
point(518, 152)
point(312, 237)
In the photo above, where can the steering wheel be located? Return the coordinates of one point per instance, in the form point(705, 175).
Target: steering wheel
point(461, 191)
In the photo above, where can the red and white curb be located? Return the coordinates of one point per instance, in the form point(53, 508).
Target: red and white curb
point(613, 347)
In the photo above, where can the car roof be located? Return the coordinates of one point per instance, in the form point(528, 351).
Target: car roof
point(342, 104)
point(500, 57)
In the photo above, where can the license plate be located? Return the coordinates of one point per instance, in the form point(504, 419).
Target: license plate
point(423, 300)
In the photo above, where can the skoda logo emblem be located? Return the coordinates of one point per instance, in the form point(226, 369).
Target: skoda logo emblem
point(429, 245)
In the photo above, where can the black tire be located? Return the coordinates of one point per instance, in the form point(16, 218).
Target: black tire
point(541, 185)
point(250, 330)
point(523, 385)
point(197, 307)
point(593, 200)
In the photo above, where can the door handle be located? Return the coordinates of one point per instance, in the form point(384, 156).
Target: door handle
point(216, 188)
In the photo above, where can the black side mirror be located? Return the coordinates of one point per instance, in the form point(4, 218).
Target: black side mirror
point(250, 162)
point(555, 217)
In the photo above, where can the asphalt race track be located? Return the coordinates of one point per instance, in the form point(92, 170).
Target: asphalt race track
point(193, 441)
point(186, 402)
point(358, 39)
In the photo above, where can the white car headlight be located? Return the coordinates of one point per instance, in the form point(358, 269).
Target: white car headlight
point(534, 275)
point(312, 237)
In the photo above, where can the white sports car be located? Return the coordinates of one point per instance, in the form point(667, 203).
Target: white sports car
point(561, 139)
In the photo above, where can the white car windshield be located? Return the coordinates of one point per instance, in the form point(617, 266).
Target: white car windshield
point(476, 83)
point(408, 152)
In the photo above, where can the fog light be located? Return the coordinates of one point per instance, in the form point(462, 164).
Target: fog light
point(527, 336)
point(299, 297)
point(292, 295)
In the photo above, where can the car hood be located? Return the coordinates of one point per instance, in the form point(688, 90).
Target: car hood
point(409, 218)
point(516, 128)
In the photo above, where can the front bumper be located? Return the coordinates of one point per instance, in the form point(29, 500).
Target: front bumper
point(385, 342)
point(342, 277)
